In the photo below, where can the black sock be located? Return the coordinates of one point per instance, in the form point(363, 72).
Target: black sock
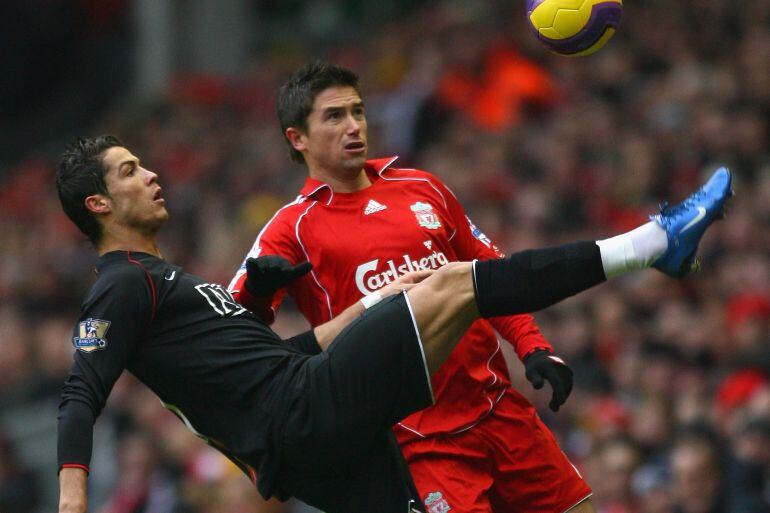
point(535, 279)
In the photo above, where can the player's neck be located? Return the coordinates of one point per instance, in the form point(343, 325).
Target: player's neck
point(342, 182)
point(129, 240)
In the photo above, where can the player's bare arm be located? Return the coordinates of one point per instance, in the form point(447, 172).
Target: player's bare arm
point(72, 486)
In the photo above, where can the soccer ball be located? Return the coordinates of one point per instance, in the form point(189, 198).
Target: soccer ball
point(574, 27)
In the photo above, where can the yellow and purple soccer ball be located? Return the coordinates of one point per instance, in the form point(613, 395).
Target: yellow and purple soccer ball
point(574, 27)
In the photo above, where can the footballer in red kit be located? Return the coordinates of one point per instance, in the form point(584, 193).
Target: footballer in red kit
point(362, 223)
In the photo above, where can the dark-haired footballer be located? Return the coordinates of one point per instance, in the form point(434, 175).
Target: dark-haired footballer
point(310, 416)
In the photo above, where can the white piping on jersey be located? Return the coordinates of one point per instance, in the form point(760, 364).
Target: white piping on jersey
point(415, 179)
point(581, 500)
point(489, 361)
point(402, 425)
point(254, 251)
point(486, 414)
point(307, 257)
point(309, 194)
point(387, 165)
point(473, 424)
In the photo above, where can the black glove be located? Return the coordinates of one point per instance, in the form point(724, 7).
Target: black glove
point(543, 365)
point(268, 274)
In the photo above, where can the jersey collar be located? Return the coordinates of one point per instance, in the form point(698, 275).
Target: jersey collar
point(121, 255)
point(322, 191)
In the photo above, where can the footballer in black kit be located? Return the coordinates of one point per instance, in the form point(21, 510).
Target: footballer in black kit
point(298, 421)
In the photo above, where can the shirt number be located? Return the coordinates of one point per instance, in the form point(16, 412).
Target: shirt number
point(220, 299)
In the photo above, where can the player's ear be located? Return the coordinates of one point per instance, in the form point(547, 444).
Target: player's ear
point(296, 138)
point(98, 204)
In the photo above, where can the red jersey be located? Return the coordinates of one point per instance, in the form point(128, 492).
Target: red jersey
point(358, 242)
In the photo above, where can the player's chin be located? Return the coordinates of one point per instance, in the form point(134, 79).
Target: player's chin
point(161, 217)
point(355, 162)
point(151, 225)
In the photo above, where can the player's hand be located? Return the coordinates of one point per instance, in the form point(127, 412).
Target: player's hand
point(268, 274)
point(541, 366)
point(405, 282)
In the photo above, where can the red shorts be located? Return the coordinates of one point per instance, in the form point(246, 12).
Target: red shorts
point(509, 462)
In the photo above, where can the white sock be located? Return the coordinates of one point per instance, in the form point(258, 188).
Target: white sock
point(633, 250)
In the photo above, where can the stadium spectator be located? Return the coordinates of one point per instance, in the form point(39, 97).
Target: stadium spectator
point(18, 485)
point(698, 472)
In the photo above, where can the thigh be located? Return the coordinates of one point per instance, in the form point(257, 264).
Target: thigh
point(532, 474)
point(451, 473)
point(374, 373)
point(342, 400)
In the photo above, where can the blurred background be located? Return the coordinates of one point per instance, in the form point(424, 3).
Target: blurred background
point(671, 409)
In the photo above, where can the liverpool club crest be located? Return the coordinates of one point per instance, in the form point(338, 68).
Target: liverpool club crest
point(436, 503)
point(426, 216)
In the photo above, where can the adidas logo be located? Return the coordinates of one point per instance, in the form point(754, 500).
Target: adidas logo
point(373, 207)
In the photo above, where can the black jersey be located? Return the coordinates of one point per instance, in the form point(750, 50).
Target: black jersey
point(210, 361)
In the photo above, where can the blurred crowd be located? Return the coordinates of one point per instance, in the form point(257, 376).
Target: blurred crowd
point(671, 407)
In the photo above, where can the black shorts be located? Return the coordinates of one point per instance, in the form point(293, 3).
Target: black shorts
point(337, 450)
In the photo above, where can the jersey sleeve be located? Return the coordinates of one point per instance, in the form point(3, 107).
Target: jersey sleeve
point(113, 320)
point(470, 243)
point(276, 238)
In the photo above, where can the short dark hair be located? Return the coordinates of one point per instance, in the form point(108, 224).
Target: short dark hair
point(296, 96)
point(81, 174)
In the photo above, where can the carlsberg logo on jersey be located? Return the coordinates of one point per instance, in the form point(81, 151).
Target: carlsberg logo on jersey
point(368, 279)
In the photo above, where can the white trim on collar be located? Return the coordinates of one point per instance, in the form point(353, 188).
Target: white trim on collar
point(379, 172)
point(387, 165)
point(309, 195)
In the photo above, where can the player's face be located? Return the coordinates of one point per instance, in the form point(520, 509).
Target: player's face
point(335, 139)
point(135, 197)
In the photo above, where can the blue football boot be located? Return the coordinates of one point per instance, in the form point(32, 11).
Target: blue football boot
point(686, 222)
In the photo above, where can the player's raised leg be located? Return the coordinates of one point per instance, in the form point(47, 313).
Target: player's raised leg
point(374, 371)
point(446, 303)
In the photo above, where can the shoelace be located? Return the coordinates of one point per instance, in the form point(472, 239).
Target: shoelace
point(674, 210)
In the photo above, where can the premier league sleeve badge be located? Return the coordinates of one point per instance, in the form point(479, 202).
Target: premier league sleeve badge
point(91, 335)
